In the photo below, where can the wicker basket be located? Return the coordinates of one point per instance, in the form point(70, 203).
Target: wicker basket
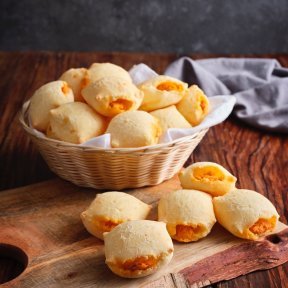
point(113, 168)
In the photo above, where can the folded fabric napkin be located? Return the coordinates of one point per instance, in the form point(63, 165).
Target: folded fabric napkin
point(259, 85)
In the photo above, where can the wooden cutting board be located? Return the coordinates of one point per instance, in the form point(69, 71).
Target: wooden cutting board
point(43, 220)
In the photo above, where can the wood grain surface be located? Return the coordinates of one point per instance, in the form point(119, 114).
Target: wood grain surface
point(258, 159)
point(43, 220)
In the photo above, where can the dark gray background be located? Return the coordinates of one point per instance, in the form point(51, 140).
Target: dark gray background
point(182, 26)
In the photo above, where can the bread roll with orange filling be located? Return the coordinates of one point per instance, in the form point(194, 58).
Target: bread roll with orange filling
point(169, 117)
point(208, 177)
point(109, 209)
point(138, 248)
point(245, 213)
point(77, 80)
point(99, 70)
point(188, 214)
point(47, 97)
point(110, 96)
point(75, 122)
point(134, 129)
point(161, 91)
point(194, 106)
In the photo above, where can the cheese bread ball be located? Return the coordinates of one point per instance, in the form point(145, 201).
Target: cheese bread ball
point(77, 80)
point(208, 177)
point(134, 129)
point(99, 70)
point(47, 97)
point(138, 248)
point(109, 209)
point(75, 122)
point(161, 91)
point(169, 117)
point(245, 213)
point(194, 106)
point(110, 96)
point(188, 214)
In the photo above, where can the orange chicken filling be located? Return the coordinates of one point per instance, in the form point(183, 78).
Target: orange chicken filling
point(65, 88)
point(139, 263)
point(105, 225)
point(210, 173)
point(186, 232)
point(170, 86)
point(203, 105)
point(121, 104)
point(263, 225)
point(85, 81)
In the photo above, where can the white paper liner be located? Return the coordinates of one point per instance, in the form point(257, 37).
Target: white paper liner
point(220, 109)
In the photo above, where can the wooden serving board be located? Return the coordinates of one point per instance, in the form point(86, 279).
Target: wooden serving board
point(43, 220)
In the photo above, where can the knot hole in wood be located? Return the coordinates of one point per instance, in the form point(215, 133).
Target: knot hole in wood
point(16, 261)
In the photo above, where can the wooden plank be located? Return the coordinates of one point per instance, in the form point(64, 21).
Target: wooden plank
point(43, 220)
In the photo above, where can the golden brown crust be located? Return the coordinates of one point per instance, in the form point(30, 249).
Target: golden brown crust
point(161, 91)
point(110, 96)
point(188, 214)
point(110, 209)
point(138, 248)
point(100, 70)
point(169, 117)
point(134, 129)
point(47, 97)
point(245, 213)
point(194, 106)
point(75, 122)
point(76, 79)
point(208, 177)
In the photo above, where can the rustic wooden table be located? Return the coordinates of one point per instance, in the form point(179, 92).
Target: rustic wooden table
point(258, 159)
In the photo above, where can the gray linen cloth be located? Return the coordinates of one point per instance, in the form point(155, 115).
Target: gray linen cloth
point(259, 85)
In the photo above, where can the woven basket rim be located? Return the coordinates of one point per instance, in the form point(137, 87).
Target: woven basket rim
point(23, 120)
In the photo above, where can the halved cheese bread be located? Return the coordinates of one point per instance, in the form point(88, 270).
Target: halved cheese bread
point(161, 91)
point(208, 177)
point(245, 213)
point(47, 97)
point(138, 248)
point(109, 209)
point(188, 214)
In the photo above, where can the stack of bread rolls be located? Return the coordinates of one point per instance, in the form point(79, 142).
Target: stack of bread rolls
point(136, 247)
point(85, 103)
point(245, 213)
